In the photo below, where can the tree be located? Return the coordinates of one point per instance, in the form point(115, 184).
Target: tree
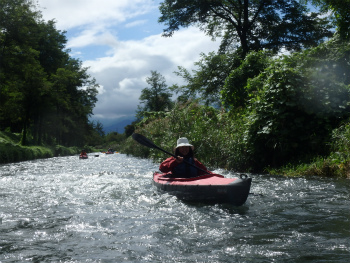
point(22, 77)
point(248, 24)
point(44, 93)
point(234, 93)
point(209, 77)
point(95, 134)
point(156, 98)
point(74, 97)
point(299, 100)
point(129, 129)
point(340, 11)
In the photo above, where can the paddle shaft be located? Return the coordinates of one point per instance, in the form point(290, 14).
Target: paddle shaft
point(146, 142)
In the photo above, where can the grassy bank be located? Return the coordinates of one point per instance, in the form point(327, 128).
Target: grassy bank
point(326, 167)
point(12, 151)
point(336, 164)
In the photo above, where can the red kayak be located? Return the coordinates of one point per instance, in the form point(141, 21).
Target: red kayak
point(209, 188)
point(84, 156)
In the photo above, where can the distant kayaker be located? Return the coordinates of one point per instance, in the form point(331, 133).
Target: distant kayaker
point(180, 167)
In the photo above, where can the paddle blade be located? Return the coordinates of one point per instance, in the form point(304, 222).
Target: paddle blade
point(143, 140)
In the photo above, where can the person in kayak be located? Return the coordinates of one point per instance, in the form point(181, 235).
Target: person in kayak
point(181, 166)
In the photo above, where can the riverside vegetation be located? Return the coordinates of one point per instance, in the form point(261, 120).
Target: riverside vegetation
point(245, 107)
point(12, 151)
point(46, 97)
point(295, 120)
point(220, 141)
point(270, 112)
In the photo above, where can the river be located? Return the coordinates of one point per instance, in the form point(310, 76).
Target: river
point(105, 209)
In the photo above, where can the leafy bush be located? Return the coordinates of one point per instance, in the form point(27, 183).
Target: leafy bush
point(217, 140)
point(295, 105)
point(235, 93)
point(300, 101)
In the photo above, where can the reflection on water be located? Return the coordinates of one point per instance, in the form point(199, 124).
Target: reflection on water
point(105, 209)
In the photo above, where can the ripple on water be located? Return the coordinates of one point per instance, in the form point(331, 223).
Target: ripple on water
point(105, 209)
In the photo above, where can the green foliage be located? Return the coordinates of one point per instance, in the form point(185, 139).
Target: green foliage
point(129, 129)
point(114, 137)
point(243, 27)
point(95, 134)
point(60, 150)
point(300, 101)
point(12, 151)
point(208, 78)
point(251, 25)
point(8, 137)
point(156, 97)
point(114, 140)
point(337, 164)
point(216, 139)
point(320, 166)
point(235, 93)
point(291, 109)
point(340, 13)
point(131, 147)
point(44, 94)
point(341, 143)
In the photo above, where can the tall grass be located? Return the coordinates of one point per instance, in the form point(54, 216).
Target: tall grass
point(217, 138)
point(12, 151)
point(337, 164)
point(15, 153)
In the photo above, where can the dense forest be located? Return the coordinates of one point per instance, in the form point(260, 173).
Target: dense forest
point(276, 94)
point(45, 95)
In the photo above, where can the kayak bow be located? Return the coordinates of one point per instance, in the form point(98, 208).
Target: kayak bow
point(209, 188)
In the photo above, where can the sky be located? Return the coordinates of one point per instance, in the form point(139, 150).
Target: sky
point(120, 41)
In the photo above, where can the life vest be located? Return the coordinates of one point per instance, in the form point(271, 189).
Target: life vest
point(185, 170)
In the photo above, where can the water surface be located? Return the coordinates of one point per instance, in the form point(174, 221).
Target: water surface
point(105, 209)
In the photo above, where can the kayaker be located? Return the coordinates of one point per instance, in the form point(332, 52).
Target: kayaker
point(180, 167)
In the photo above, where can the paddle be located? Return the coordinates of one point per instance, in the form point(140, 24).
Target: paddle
point(146, 142)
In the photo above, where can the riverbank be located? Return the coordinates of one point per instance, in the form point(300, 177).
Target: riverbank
point(324, 167)
point(12, 151)
point(332, 166)
point(222, 140)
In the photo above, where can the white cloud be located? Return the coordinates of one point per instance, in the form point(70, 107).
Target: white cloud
point(123, 64)
point(123, 74)
point(135, 23)
point(100, 89)
point(92, 37)
point(74, 13)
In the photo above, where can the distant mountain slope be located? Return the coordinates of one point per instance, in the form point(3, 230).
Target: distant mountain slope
point(114, 125)
point(117, 126)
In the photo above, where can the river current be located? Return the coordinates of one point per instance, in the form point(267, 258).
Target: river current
point(105, 209)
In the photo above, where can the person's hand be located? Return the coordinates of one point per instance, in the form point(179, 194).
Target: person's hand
point(179, 159)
